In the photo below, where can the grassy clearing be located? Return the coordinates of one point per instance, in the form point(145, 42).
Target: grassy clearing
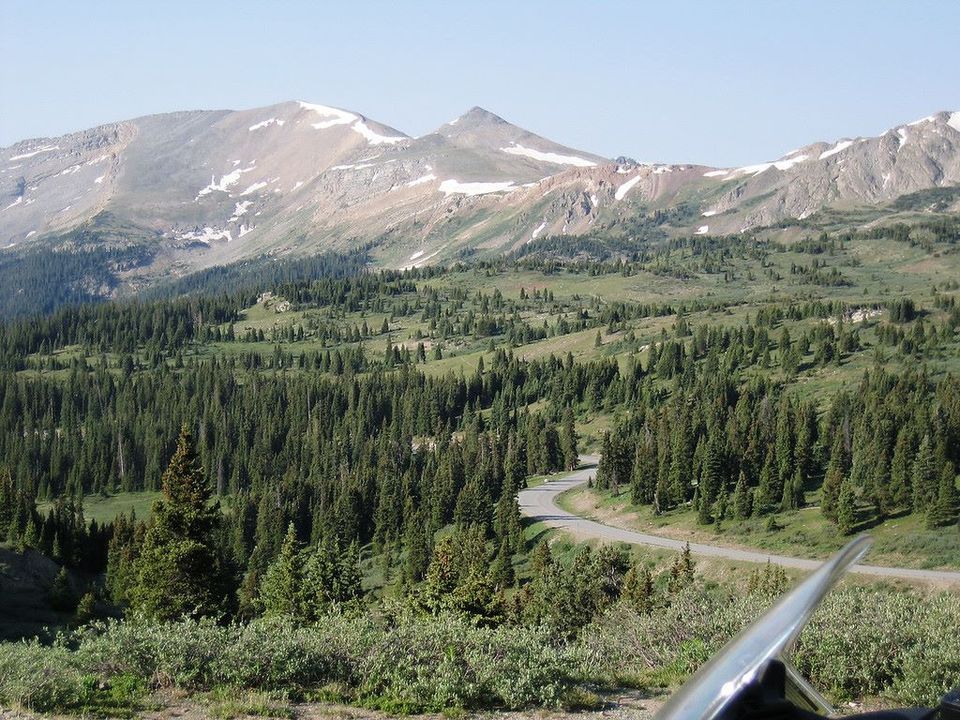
point(104, 509)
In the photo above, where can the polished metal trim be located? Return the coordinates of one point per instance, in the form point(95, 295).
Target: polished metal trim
point(745, 658)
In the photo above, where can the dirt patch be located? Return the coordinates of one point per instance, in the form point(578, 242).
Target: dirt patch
point(625, 705)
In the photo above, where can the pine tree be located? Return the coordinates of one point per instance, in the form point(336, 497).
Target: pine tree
point(900, 479)
point(836, 469)
point(924, 477)
point(568, 440)
point(62, 597)
point(282, 587)
point(179, 571)
point(742, 497)
point(792, 492)
point(331, 578)
point(441, 578)
point(846, 508)
point(638, 589)
point(946, 508)
point(644, 476)
point(86, 608)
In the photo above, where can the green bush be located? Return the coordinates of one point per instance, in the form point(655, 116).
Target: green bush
point(861, 642)
point(876, 642)
point(38, 677)
point(414, 664)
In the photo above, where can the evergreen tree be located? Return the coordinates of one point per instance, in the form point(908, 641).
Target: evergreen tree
point(846, 508)
point(179, 571)
point(793, 492)
point(900, 471)
point(638, 589)
point(946, 508)
point(833, 480)
point(282, 588)
point(924, 476)
point(61, 595)
point(742, 498)
point(568, 440)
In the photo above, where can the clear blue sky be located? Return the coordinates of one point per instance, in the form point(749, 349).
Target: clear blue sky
point(721, 83)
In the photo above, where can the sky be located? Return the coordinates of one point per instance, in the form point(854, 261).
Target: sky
point(719, 83)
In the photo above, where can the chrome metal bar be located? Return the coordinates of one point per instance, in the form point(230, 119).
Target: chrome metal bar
point(715, 685)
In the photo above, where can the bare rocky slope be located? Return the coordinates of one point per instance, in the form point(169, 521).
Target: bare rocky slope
point(210, 187)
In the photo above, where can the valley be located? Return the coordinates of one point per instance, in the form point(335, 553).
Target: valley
point(258, 417)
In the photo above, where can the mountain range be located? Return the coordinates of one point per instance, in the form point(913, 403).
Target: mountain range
point(207, 188)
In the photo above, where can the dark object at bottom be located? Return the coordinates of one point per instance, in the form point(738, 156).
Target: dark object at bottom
point(767, 700)
point(950, 706)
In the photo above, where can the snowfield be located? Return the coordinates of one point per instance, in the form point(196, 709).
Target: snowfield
point(207, 235)
point(31, 153)
point(375, 138)
point(455, 187)
point(421, 180)
point(240, 209)
point(253, 188)
point(267, 123)
point(222, 185)
point(549, 157)
point(839, 147)
point(342, 117)
point(785, 164)
point(626, 187)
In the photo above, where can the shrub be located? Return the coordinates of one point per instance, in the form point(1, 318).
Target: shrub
point(37, 677)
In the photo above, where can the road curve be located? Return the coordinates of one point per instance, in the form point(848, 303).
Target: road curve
point(539, 504)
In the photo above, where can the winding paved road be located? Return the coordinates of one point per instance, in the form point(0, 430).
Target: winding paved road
point(539, 504)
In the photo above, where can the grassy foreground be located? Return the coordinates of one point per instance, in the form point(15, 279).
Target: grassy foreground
point(864, 642)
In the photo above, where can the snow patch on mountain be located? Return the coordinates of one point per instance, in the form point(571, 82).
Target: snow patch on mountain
point(954, 121)
point(455, 187)
point(540, 228)
point(703, 230)
point(784, 164)
point(421, 180)
point(221, 185)
point(839, 147)
point(342, 117)
point(207, 235)
point(549, 157)
point(31, 153)
point(901, 137)
point(267, 123)
point(337, 116)
point(99, 180)
point(626, 187)
point(717, 173)
point(240, 209)
point(375, 138)
point(253, 188)
point(17, 202)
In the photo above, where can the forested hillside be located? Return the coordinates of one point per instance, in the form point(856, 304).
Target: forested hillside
point(340, 440)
